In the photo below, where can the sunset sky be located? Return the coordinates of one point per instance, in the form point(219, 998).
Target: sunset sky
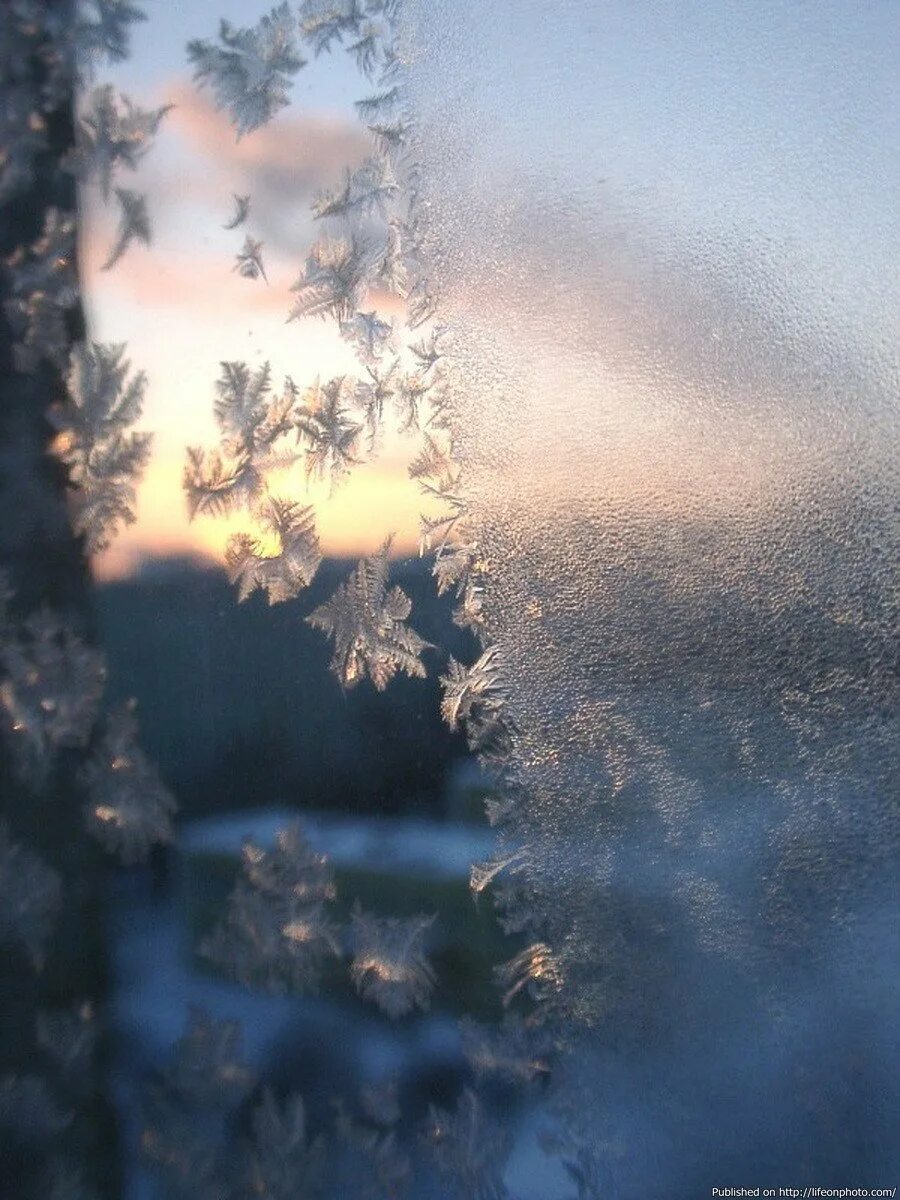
point(182, 309)
point(692, 278)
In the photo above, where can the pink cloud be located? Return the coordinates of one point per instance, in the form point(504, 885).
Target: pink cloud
point(307, 150)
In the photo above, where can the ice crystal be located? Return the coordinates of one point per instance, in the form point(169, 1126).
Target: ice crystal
point(475, 697)
point(242, 400)
point(483, 874)
point(30, 897)
point(391, 268)
point(129, 808)
point(456, 568)
point(335, 203)
point(469, 1149)
point(102, 30)
point(214, 483)
point(369, 188)
point(185, 1110)
point(284, 1162)
point(534, 970)
point(367, 48)
point(134, 224)
point(252, 421)
point(50, 692)
point(241, 212)
point(389, 965)
point(250, 71)
point(43, 286)
point(375, 185)
point(379, 104)
point(249, 262)
point(373, 393)
point(326, 430)
point(390, 136)
point(412, 389)
point(427, 350)
point(367, 624)
point(112, 133)
point(515, 1052)
point(369, 336)
point(421, 304)
point(325, 21)
point(105, 458)
point(277, 934)
point(281, 570)
point(334, 280)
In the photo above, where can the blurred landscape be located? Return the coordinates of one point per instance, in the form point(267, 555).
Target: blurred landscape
point(251, 731)
point(238, 709)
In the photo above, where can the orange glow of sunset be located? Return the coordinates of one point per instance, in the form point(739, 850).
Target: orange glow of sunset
point(183, 310)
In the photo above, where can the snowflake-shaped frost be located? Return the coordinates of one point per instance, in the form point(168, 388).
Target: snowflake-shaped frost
point(475, 697)
point(334, 280)
point(134, 224)
point(276, 933)
point(249, 263)
point(252, 422)
point(44, 288)
point(102, 30)
point(326, 429)
point(325, 21)
point(105, 459)
point(129, 808)
point(366, 621)
point(368, 335)
point(250, 71)
point(373, 393)
point(281, 571)
point(514, 1051)
point(241, 212)
point(370, 188)
point(51, 691)
point(534, 970)
point(112, 133)
point(389, 965)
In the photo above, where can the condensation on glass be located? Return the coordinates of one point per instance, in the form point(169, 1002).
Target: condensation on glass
point(664, 238)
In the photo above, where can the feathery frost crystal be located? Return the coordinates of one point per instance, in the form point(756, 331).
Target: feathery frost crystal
point(250, 71)
point(390, 966)
point(277, 934)
point(366, 621)
point(129, 809)
point(50, 691)
point(105, 458)
point(284, 560)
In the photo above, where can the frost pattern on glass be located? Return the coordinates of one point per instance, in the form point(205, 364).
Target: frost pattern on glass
point(660, 245)
point(105, 456)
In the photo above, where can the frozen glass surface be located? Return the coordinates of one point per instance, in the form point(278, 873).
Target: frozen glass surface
point(665, 238)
